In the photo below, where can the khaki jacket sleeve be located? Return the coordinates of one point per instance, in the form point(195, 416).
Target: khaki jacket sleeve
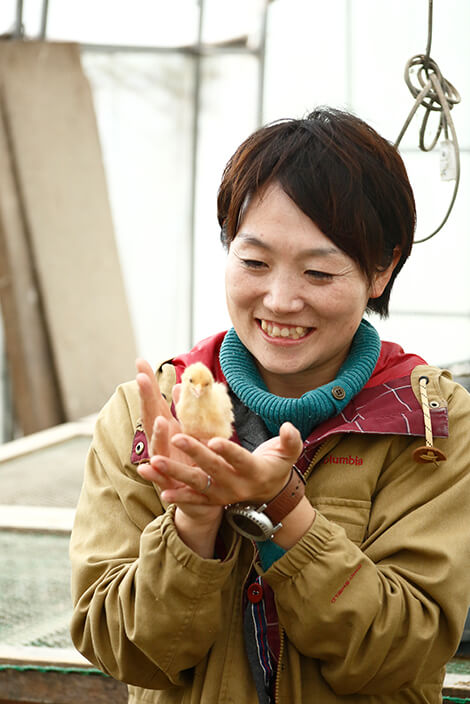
point(146, 608)
point(391, 613)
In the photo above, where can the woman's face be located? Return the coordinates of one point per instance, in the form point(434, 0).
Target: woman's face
point(294, 298)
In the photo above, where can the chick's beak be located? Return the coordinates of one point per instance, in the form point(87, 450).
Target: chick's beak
point(197, 388)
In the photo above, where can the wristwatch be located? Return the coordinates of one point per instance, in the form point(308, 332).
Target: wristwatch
point(262, 521)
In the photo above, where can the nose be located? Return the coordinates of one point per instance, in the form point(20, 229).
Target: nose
point(284, 295)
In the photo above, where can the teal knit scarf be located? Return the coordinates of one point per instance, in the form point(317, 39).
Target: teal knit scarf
point(311, 408)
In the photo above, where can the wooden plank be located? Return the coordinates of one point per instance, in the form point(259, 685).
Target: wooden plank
point(36, 687)
point(54, 676)
point(46, 438)
point(42, 657)
point(55, 147)
point(36, 394)
point(45, 519)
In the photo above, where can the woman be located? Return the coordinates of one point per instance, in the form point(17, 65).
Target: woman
point(353, 584)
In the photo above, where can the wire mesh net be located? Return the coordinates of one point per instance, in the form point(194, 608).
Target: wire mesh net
point(35, 603)
point(51, 476)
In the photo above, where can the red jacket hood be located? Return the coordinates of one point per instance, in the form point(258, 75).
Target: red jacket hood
point(386, 404)
point(393, 362)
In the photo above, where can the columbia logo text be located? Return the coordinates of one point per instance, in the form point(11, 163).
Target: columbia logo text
point(331, 459)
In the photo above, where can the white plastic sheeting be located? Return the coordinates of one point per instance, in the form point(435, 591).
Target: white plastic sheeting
point(344, 53)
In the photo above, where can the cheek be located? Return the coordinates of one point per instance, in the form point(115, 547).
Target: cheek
point(235, 296)
point(345, 304)
point(239, 286)
point(233, 287)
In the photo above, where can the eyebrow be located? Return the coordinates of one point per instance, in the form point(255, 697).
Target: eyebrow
point(314, 252)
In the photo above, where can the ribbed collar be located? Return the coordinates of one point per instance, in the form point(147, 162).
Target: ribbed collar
point(311, 408)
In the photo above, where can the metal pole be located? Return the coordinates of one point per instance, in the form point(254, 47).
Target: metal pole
point(7, 405)
point(349, 55)
point(262, 63)
point(18, 32)
point(45, 8)
point(194, 165)
point(203, 49)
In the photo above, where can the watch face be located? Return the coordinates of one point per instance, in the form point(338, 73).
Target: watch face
point(250, 521)
point(248, 527)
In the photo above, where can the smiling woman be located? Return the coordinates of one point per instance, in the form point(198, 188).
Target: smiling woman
point(321, 553)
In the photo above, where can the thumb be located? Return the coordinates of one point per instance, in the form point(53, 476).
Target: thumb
point(291, 441)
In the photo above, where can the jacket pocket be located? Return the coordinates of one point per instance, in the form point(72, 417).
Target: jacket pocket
point(350, 514)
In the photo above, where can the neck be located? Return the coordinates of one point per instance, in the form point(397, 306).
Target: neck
point(276, 402)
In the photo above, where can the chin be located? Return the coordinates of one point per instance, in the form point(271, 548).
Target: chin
point(281, 369)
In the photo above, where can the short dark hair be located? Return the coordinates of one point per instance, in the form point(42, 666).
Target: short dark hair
point(350, 181)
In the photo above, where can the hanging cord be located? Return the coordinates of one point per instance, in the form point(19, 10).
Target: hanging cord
point(427, 453)
point(435, 94)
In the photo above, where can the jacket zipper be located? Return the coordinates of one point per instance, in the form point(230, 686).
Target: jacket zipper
point(282, 633)
point(313, 461)
point(279, 663)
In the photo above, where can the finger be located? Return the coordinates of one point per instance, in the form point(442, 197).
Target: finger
point(152, 401)
point(184, 495)
point(234, 455)
point(176, 393)
point(148, 403)
point(201, 454)
point(194, 477)
point(151, 474)
point(160, 444)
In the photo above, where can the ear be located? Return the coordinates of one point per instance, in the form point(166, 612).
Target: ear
point(382, 277)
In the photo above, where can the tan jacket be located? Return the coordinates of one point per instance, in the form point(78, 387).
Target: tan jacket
point(372, 600)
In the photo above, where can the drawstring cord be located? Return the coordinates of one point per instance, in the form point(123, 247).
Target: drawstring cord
point(427, 453)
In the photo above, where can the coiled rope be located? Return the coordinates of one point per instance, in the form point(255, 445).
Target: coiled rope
point(436, 94)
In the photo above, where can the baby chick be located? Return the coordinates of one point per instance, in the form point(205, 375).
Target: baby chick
point(204, 408)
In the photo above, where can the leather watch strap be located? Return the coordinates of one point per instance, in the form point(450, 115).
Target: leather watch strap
point(287, 499)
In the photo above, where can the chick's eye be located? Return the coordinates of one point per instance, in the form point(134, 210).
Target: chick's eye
point(319, 275)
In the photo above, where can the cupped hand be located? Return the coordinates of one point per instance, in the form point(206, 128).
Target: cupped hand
point(236, 474)
point(160, 426)
point(153, 406)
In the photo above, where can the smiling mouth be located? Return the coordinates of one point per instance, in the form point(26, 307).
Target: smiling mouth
point(286, 332)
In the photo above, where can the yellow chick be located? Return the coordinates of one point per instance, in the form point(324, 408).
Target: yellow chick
point(204, 407)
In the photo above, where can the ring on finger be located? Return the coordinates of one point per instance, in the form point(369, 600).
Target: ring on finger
point(208, 485)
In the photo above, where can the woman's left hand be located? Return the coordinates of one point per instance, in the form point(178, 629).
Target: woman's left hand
point(235, 473)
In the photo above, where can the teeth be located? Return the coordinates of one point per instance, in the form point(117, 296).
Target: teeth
point(293, 333)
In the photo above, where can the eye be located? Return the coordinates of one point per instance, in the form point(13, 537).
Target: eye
point(319, 275)
point(253, 263)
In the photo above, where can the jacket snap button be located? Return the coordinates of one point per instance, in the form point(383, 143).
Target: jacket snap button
point(139, 448)
point(255, 593)
point(338, 392)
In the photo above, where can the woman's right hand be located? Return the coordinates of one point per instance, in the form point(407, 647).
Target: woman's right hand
point(197, 523)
